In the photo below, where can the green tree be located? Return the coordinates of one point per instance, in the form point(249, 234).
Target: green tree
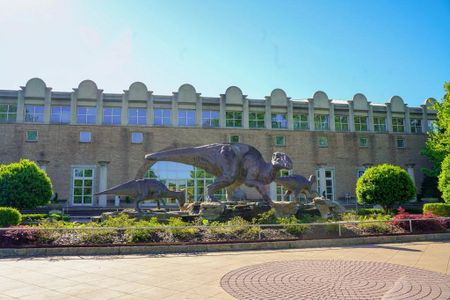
point(24, 185)
point(444, 179)
point(386, 185)
point(438, 141)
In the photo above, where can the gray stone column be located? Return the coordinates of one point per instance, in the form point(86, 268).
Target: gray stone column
point(150, 117)
point(117, 201)
point(290, 115)
point(73, 106)
point(351, 117)
point(47, 105)
point(311, 114)
point(245, 114)
point(222, 112)
point(103, 182)
point(331, 116)
point(424, 118)
point(99, 117)
point(273, 191)
point(322, 180)
point(268, 114)
point(388, 117)
point(370, 118)
point(20, 106)
point(407, 120)
point(410, 170)
point(174, 113)
point(124, 115)
point(198, 112)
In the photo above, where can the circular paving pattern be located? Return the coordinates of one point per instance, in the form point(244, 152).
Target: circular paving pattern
point(335, 279)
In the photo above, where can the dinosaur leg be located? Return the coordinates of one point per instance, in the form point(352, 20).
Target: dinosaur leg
point(137, 208)
point(230, 189)
point(220, 183)
point(260, 188)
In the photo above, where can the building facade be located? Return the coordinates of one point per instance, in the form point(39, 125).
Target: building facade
point(88, 140)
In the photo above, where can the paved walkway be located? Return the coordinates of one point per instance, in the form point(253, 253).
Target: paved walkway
point(183, 276)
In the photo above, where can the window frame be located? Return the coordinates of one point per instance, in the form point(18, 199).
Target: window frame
point(366, 145)
point(133, 134)
point(9, 115)
point(233, 119)
point(283, 144)
point(377, 125)
point(396, 126)
point(187, 115)
point(323, 145)
point(86, 117)
point(415, 125)
point(322, 122)
point(60, 114)
point(112, 115)
point(254, 117)
point(230, 139)
point(360, 125)
point(278, 123)
point(339, 124)
point(300, 124)
point(83, 178)
point(160, 117)
point(134, 113)
point(36, 117)
point(27, 136)
point(212, 122)
point(85, 141)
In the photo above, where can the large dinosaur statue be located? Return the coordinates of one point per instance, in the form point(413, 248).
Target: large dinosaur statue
point(296, 184)
point(232, 164)
point(144, 189)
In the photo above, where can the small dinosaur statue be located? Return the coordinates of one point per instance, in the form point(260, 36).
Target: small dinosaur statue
point(296, 184)
point(232, 164)
point(144, 189)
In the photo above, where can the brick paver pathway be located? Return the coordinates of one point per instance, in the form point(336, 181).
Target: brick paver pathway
point(335, 279)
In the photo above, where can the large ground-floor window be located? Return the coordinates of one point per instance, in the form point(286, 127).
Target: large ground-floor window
point(329, 183)
point(177, 176)
point(83, 185)
point(281, 190)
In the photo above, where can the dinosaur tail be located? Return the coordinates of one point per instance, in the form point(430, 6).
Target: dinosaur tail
point(120, 189)
point(181, 155)
point(312, 179)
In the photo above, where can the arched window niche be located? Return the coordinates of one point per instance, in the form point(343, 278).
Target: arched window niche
point(178, 176)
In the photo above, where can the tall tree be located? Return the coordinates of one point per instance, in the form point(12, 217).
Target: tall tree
point(438, 142)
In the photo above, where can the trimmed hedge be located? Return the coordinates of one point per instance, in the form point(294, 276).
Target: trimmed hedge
point(9, 217)
point(24, 185)
point(386, 185)
point(439, 209)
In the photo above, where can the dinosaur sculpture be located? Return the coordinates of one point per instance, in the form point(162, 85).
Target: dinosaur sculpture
point(296, 184)
point(232, 164)
point(144, 189)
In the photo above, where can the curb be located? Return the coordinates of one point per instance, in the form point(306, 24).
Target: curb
point(167, 249)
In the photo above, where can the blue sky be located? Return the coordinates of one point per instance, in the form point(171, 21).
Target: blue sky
point(379, 48)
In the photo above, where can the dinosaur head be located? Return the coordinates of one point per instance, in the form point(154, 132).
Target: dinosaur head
point(280, 160)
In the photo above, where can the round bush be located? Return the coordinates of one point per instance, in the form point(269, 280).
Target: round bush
point(444, 179)
point(24, 185)
point(386, 185)
point(9, 217)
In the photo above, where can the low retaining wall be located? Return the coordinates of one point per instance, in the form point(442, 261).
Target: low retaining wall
point(165, 249)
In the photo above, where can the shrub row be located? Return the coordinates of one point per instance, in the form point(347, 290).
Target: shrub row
point(438, 209)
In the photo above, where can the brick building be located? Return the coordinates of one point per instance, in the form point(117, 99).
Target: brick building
point(88, 140)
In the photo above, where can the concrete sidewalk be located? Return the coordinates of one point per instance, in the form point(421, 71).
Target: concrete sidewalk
point(182, 276)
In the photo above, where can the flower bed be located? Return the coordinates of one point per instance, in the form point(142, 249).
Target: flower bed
point(123, 230)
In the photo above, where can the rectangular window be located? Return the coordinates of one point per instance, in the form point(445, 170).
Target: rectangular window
point(279, 121)
point(398, 125)
point(280, 140)
point(186, 118)
point(234, 139)
point(400, 142)
point(112, 115)
point(32, 136)
point(161, 117)
point(300, 121)
point(360, 123)
point(233, 119)
point(60, 115)
point(82, 186)
point(329, 185)
point(137, 137)
point(85, 136)
point(281, 190)
point(363, 142)
point(256, 120)
point(379, 124)
point(321, 122)
point(8, 113)
point(34, 113)
point(137, 116)
point(323, 142)
point(86, 115)
point(341, 123)
point(416, 125)
point(210, 119)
